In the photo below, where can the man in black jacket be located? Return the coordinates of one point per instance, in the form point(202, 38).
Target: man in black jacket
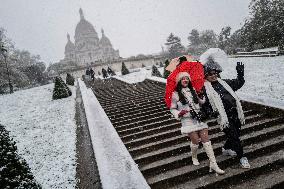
point(221, 98)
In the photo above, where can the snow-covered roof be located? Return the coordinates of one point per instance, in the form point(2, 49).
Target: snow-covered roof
point(266, 49)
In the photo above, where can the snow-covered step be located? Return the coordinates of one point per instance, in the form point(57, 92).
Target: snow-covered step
point(140, 112)
point(168, 151)
point(131, 104)
point(134, 110)
point(178, 160)
point(143, 116)
point(153, 146)
point(160, 135)
point(184, 175)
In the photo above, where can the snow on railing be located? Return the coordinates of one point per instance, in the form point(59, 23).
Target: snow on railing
point(116, 167)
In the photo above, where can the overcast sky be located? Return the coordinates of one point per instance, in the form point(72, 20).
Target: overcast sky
point(133, 26)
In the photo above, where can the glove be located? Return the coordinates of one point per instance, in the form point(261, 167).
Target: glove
point(240, 68)
point(181, 113)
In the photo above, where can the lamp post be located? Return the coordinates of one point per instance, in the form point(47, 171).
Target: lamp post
point(3, 52)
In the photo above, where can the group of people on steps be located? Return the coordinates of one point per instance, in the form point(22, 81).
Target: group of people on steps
point(195, 95)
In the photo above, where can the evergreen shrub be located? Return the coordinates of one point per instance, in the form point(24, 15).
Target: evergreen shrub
point(155, 71)
point(61, 90)
point(14, 170)
point(124, 69)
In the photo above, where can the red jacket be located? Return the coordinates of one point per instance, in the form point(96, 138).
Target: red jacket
point(195, 70)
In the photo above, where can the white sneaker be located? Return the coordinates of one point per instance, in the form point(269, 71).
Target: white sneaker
point(244, 163)
point(228, 152)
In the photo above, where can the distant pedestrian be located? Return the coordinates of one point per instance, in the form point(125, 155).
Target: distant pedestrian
point(92, 73)
point(185, 107)
point(221, 98)
point(104, 72)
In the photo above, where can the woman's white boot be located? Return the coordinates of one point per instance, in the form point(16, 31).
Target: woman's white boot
point(194, 148)
point(210, 153)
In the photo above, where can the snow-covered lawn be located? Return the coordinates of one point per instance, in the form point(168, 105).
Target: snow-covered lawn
point(45, 133)
point(264, 79)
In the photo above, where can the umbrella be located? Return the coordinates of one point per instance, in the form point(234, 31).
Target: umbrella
point(174, 62)
point(195, 70)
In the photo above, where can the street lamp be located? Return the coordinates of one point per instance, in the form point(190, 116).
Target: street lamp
point(3, 52)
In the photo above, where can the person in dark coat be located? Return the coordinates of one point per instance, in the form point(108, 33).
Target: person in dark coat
point(221, 97)
point(104, 73)
point(92, 73)
point(87, 72)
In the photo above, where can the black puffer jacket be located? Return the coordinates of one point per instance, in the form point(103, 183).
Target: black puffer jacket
point(228, 100)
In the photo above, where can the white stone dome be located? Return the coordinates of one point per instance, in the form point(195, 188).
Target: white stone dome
point(104, 41)
point(69, 47)
point(84, 27)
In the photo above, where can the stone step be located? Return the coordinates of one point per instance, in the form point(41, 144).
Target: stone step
point(184, 176)
point(182, 159)
point(143, 126)
point(108, 103)
point(135, 131)
point(162, 135)
point(271, 177)
point(133, 119)
point(142, 115)
point(136, 113)
point(132, 111)
point(157, 125)
point(116, 96)
point(153, 146)
point(236, 175)
point(177, 149)
point(133, 105)
point(128, 88)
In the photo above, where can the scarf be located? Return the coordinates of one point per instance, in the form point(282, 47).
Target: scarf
point(217, 105)
point(187, 94)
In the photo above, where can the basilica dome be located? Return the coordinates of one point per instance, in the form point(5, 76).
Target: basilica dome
point(84, 27)
point(104, 41)
point(69, 47)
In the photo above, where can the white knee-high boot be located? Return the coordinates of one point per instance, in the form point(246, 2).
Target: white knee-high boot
point(194, 148)
point(210, 153)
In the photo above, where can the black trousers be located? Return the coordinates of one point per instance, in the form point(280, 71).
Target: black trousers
point(232, 134)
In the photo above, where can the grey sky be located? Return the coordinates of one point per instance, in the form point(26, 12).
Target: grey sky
point(133, 26)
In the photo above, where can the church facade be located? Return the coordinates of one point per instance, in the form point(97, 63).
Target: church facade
point(88, 48)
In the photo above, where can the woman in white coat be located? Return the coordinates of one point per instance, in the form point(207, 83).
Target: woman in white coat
point(185, 107)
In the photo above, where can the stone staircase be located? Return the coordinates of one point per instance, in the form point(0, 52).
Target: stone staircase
point(152, 136)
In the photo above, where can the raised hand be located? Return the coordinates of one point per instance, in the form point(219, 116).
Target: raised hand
point(240, 68)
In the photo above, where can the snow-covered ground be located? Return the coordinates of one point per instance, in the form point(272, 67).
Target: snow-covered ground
point(44, 132)
point(264, 79)
point(44, 129)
